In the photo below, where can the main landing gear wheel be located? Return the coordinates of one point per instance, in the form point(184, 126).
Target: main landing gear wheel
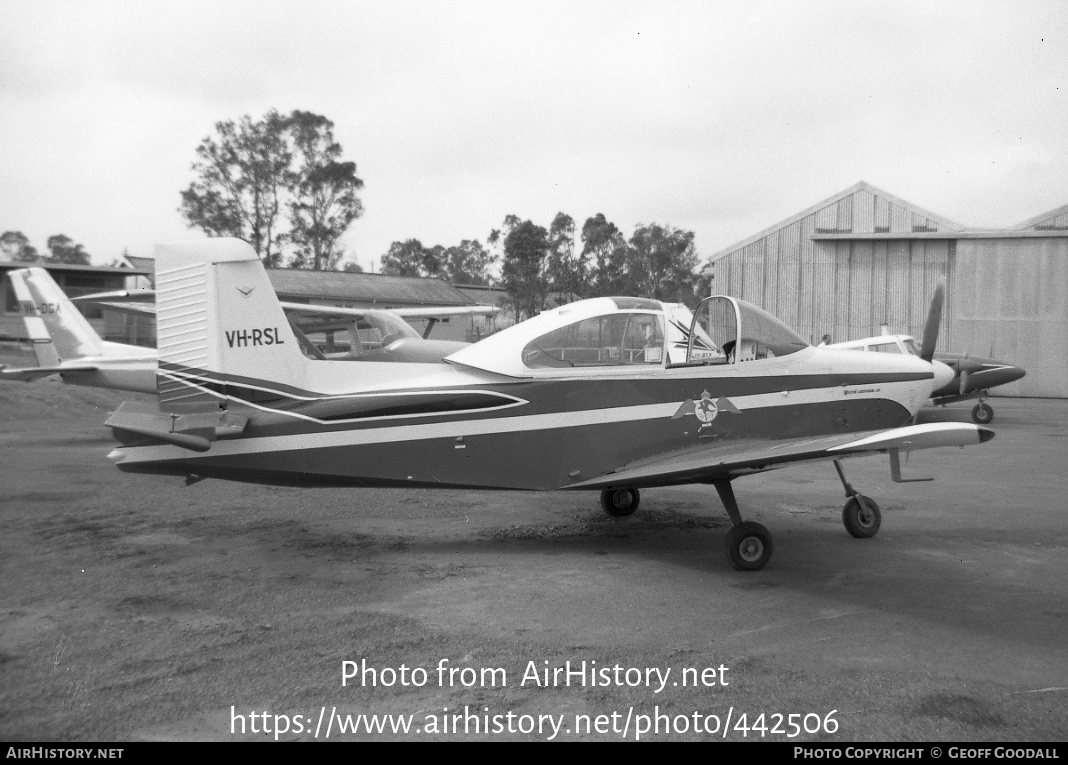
point(748, 546)
point(982, 413)
point(620, 502)
point(862, 520)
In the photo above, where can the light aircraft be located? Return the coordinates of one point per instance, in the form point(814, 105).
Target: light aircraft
point(612, 395)
point(971, 376)
point(65, 343)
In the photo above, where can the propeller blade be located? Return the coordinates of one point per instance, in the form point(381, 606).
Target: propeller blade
point(934, 318)
point(963, 381)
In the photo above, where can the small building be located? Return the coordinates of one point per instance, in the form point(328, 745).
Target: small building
point(863, 259)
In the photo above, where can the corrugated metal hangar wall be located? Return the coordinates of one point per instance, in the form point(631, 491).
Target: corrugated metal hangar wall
point(865, 258)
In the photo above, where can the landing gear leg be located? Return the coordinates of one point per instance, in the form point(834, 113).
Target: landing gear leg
point(860, 516)
point(748, 543)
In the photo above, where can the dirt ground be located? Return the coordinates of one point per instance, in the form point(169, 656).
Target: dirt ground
point(136, 608)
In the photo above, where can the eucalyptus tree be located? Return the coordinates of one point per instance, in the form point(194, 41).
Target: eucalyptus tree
point(242, 176)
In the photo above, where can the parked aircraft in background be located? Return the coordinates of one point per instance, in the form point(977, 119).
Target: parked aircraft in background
point(608, 394)
point(972, 376)
point(66, 344)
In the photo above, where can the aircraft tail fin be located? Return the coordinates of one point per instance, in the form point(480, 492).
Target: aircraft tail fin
point(220, 324)
point(58, 330)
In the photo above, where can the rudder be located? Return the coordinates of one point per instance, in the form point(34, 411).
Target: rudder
point(218, 321)
point(57, 328)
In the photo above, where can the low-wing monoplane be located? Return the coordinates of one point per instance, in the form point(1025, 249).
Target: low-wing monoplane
point(66, 344)
point(612, 395)
point(970, 376)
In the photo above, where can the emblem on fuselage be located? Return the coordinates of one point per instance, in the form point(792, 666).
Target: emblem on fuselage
point(706, 409)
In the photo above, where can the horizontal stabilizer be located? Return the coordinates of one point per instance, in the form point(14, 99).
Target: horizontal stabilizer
point(27, 374)
point(196, 430)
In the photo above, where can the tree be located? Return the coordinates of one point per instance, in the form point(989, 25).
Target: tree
point(468, 263)
point(606, 245)
point(523, 268)
point(325, 200)
point(408, 258)
point(568, 273)
point(16, 246)
point(242, 175)
point(63, 249)
point(662, 262)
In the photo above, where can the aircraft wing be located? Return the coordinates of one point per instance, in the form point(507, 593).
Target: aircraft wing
point(425, 312)
point(26, 374)
point(125, 296)
point(130, 309)
point(140, 304)
point(730, 459)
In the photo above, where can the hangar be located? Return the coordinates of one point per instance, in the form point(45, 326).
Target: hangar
point(864, 258)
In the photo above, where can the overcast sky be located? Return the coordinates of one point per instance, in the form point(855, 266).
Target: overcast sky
point(718, 117)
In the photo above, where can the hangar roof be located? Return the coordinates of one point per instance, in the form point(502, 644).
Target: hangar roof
point(368, 289)
point(1053, 220)
point(863, 211)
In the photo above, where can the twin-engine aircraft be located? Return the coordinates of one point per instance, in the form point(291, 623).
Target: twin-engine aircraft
point(66, 344)
point(970, 376)
point(607, 394)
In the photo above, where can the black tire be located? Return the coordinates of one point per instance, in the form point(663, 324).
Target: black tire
point(619, 503)
point(749, 546)
point(862, 522)
point(982, 413)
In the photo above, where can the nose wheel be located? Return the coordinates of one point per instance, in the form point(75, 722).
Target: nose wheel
point(982, 413)
point(860, 516)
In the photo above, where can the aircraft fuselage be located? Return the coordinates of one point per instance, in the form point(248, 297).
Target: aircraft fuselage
point(465, 428)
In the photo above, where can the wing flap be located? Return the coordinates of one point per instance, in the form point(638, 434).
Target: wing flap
point(731, 459)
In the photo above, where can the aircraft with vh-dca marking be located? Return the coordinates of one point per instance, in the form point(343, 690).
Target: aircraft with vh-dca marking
point(612, 395)
point(66, 344)
point(972, 376)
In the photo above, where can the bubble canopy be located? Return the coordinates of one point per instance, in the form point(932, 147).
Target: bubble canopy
point(622, 334)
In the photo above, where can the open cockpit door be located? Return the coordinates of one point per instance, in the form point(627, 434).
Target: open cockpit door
point(713, 332)
point(728, 330)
